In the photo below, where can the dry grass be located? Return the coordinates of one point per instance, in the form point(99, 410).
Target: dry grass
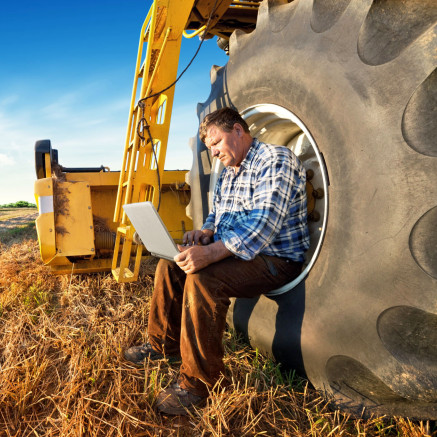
point(61, 371)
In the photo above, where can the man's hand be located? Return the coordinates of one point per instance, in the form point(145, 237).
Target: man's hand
point(136, 238)
point(193, 238)
point(194, 258)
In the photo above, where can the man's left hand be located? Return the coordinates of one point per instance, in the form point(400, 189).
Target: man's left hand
point(194, 258)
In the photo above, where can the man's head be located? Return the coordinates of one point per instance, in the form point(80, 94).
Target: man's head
point(224, 119)
point(227, 135)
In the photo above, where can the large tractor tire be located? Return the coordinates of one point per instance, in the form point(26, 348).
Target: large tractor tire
point(350, 86)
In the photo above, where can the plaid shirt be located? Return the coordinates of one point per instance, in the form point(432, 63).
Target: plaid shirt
point(263, 207)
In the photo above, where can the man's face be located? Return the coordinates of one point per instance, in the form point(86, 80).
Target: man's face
point(226, 146)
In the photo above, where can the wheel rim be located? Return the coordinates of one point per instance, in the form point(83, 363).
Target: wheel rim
point(276, 125)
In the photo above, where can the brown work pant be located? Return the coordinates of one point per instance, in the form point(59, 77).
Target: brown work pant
point(188, 312)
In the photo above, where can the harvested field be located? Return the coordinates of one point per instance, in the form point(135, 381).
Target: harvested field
point(13, 217)
point(14, 222)
point(62, 372)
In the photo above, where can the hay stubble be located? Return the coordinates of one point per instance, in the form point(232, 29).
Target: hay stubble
point(62, 372)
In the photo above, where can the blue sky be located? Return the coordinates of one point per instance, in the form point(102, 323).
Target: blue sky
point(66, 74)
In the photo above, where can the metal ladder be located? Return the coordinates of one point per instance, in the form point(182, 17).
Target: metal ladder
point(143, 160)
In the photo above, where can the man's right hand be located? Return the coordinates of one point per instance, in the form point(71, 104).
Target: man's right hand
point(193, 238)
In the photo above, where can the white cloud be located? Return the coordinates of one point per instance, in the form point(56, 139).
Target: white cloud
point(87, 126)
point(87, 131)
point(6, 161)
point(59, 109)
point(8, 100)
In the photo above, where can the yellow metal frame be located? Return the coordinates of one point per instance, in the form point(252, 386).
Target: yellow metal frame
point(162, 34)
point(45, 222)
point(62, 235)
point(195, 33)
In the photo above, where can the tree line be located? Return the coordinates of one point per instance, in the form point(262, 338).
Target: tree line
point(19, 204)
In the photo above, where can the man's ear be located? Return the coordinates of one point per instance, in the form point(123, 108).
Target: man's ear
point(238, 128)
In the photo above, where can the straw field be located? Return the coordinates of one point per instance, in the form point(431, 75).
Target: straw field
point(62, 371)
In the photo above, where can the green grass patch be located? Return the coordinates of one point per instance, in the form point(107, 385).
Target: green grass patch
point(15, 235)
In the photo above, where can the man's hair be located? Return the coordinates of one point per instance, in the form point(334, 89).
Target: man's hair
point(224, 119)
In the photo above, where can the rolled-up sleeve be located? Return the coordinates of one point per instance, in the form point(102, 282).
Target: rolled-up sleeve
point(209, 222)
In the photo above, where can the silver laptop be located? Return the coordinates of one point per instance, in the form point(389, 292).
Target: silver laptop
point(151, 229)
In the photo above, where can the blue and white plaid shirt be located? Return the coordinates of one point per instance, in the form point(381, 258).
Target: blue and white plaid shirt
point(263, 207)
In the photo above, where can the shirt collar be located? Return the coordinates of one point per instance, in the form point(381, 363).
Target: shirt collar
point(245, 163)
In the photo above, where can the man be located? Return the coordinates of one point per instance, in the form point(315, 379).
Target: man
point(252, 242)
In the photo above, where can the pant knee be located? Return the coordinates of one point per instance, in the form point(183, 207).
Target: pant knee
point(164, 265)
point(201, 287)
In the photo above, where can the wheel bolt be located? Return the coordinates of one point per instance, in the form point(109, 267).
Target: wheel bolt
point(310, 174)
point(313, 216)
point(319, 193)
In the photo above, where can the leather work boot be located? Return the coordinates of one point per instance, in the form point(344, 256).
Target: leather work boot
point(137, 354)
point(177, 401)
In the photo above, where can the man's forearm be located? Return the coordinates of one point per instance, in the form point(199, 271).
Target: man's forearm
point(218, 251)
